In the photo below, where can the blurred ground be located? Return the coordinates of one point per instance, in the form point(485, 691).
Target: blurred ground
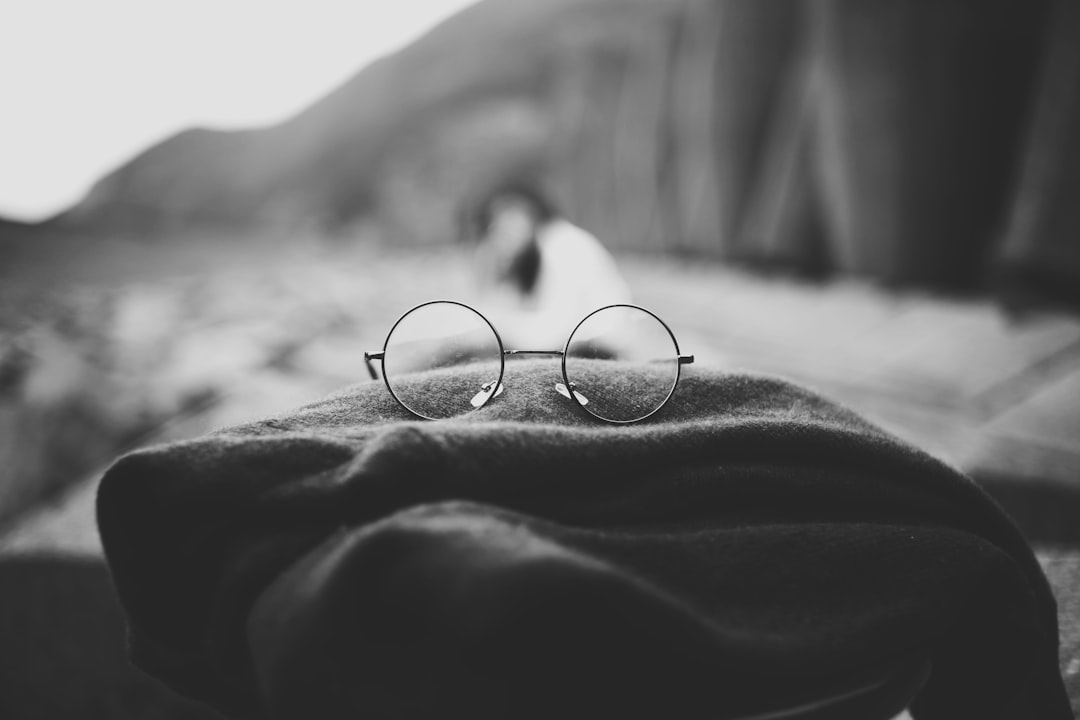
point(95, 356)
point(100, 364)
point(994, 394)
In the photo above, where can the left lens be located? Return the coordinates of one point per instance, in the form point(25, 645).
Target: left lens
point(456, 349)
point(647, 366)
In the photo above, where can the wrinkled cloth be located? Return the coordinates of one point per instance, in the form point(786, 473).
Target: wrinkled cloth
point(751, 545)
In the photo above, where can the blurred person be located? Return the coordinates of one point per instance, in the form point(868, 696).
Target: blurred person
point(539, 274)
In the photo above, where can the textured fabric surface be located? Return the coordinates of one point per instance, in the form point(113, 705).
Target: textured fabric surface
point(750, 546)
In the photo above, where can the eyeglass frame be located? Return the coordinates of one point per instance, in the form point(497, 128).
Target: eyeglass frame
point(380, 355)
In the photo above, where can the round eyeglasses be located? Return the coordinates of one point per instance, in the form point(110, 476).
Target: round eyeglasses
point(464, 348)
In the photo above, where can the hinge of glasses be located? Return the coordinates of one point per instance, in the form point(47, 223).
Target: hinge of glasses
point(686, 359)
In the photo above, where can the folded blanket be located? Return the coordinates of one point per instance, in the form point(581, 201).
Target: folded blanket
point(751, 546)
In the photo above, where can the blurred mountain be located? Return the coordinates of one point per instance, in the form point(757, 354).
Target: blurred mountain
point(495, 90)
point(909, 141)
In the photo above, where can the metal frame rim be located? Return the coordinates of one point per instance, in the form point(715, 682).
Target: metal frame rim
point(678, 364)
point(498, 339)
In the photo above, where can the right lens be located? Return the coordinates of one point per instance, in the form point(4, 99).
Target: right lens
point(645, 368)
point(456, 342)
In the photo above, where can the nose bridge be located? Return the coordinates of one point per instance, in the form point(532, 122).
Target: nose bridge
point(533, 352)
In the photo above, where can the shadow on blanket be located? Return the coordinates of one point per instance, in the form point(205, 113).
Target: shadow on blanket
point(63, 655)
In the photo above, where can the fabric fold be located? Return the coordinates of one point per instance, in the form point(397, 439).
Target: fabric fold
point(752, 545)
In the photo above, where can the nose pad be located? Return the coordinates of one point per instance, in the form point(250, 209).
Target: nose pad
point(562, 390)
point(487, 391)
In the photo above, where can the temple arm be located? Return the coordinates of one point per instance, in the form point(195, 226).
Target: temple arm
point(368, 357)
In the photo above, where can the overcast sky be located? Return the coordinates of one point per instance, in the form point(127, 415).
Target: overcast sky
point(86, 84)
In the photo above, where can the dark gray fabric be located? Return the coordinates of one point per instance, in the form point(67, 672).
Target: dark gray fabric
point(751, 546)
